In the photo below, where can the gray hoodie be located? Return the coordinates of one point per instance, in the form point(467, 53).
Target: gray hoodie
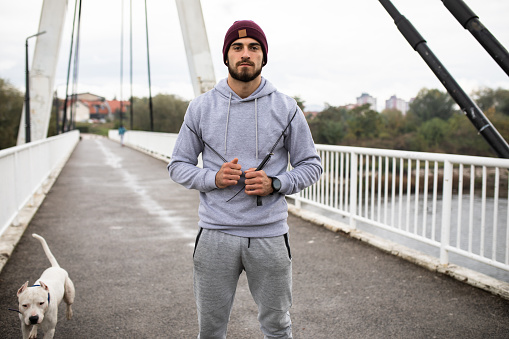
point(246, 129)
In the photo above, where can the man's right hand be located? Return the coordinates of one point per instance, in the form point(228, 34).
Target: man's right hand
point(229, 174)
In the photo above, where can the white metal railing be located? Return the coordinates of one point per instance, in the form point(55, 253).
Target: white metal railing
point(457, 204)
point(25, 168)
point(157, 144)
point(160, 144)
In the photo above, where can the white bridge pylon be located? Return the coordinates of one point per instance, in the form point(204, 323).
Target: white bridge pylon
point(43, 69)
point(47, 47)
point(197, 47)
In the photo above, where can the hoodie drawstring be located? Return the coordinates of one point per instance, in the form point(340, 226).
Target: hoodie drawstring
point(256, 127)
point(227, 118)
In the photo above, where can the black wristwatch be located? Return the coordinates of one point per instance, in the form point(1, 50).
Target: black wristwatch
point(276, 185)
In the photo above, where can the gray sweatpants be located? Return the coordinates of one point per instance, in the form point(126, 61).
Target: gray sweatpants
point(220, 258)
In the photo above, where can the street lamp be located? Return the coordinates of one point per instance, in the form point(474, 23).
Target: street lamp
point(27, 92)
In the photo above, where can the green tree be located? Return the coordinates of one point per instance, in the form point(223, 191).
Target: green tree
point(329, 126)
point(168, 113)
point(434, 132)
point(52, 127)
point(431, 103)
point(363, 123)
point(11, 105)
point(496, 99)
point(463, 138)
point(393, 121)
point(397, 131)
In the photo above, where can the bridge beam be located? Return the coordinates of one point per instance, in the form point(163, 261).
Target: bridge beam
point(197, 47)
point(42, 72)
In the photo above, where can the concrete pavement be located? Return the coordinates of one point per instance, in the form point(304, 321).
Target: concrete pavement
point(125, 232)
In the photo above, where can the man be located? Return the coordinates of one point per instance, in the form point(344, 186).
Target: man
point(243, 212)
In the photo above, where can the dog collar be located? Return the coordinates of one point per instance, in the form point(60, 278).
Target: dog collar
point(40, 286)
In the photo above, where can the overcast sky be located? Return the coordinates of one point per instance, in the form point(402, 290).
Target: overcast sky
point(325, 51)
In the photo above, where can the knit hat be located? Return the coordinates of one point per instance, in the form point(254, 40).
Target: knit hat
point(245, 29)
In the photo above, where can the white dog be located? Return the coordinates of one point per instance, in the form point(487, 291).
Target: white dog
point(38, 304)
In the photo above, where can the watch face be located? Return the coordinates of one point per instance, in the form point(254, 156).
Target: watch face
point(276, 184)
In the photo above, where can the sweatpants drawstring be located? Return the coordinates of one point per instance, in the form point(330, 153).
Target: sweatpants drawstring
point(248, 242)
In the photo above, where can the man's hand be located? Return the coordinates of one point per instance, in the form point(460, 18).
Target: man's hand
point(258, 183)
point(229, 174)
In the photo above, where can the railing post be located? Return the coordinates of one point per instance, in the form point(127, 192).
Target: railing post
point(297, 200)
point(353, 189)
point(16, 186)
point(446, 213)
point(31, 173)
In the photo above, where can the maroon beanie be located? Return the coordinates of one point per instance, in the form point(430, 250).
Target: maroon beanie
point(245, 29)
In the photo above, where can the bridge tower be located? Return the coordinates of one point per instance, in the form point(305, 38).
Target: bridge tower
point(197, 47)
point(42, 72)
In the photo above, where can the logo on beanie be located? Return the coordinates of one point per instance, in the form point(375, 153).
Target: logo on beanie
point(242, 33)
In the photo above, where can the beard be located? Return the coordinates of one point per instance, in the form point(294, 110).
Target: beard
point(245, 75)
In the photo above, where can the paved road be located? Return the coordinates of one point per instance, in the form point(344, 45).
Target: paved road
point(124, 232)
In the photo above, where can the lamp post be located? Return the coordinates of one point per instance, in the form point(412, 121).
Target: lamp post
point(27, 92)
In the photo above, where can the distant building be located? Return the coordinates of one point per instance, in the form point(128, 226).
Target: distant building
point(115, 106)
point(396, 103)
point(91, 107)
point(365, 98)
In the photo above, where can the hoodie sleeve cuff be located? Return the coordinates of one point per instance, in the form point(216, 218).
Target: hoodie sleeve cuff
point(285, 184)
point(209, 181)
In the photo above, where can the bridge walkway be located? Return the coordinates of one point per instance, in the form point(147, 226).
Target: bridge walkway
point(125, 232)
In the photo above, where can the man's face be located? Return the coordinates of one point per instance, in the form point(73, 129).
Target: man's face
point(245, 59)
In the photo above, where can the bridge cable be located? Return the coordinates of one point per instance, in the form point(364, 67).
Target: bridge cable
point(149, 82)
point(64, 117)
point(72, 123)
point(131, 111)
point(121, 59)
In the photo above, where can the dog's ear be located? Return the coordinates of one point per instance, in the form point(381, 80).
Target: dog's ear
point(43, 285)
point(23, 288)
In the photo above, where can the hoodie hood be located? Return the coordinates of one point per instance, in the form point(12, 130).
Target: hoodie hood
point(265, 89)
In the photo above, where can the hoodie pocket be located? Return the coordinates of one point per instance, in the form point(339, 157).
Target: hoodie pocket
point(287, 243)
point(197, 240)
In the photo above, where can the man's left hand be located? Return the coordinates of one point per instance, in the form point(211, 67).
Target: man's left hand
point(257, 182)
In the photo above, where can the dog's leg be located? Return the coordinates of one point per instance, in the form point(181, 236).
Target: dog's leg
point(25, 330)
point(69, 293)
point(49, 334)
point(68, 312)
point(33, 332)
